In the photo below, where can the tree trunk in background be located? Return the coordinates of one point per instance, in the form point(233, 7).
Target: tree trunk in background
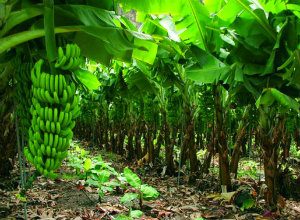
point(192, 153)
point(221, 145)
point(297, 137)
point(209, 153)
point(189, 148)
point(138, 146)
point(113, 141)
point(120, 140)
point(106, 138)
point(7, 145)
point(100, 133)
point(270, 140)
point(158, 145)
point(130, 152)
point(270, 168)
point(150, 145)
point(168, 147)
point(286, 144)
point(241, 134)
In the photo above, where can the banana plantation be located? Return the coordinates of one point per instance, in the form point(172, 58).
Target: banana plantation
point(158, 109)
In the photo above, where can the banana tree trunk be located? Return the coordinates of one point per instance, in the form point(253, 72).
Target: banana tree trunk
point(150, 144)
point(120, 140)
point(209, 153)
point(221, 145)
point(138, 145)
point(130, 152)
point(192, 152)
point(270, 140)
point(158, 144)
point(7, 145)
point(168, 147)
point(241, 134)
point(189, 147)
point(286, 145)
point(297, 137)
point(106, 136)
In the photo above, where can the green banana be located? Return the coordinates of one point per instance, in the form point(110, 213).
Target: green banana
point(32, 149)
point(68, 51)
point(56, 163)
point(42, 124)
point(43, 80)
point(48, 124)
point(67, 108)
point(58, 128)
point(60, 53)
point(59, 144)
point(42, 113)
point(47, 87)
point(65, 120)
point(48, 97)
point(61, 117)
point(60, 84)
point(55, 115)
point(56, 83)
point(52, 164)
point(46, 139)
point(52, 82)
point(46, 113)
point(50, 139)
point(64, 99)
point(69, 65)
point(53, 152)
point(43, 149)
point(48, 151)
point(75, 102)
point(55, 142)
point(61, 62)
point(55, 97)
point(50, 114)
point(53, 127)
point(45, 173)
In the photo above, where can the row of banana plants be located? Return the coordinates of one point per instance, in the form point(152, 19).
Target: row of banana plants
point(246, 52)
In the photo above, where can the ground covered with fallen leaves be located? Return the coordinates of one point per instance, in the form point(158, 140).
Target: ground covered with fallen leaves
point(70, 198)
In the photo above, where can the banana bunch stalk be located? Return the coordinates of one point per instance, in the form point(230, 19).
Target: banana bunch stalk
point(55, 105)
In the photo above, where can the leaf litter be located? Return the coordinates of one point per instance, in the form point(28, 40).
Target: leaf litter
point(70, 199)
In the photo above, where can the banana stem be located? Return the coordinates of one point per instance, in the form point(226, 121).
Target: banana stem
point(50, 34)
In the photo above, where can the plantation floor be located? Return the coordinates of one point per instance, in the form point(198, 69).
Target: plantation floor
point(69, 199)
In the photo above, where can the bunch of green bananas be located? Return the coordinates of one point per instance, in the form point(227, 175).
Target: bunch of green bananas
point(55, 105)
point(23, 96)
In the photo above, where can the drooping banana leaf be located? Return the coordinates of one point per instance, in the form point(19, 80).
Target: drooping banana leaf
point(190, 17)
point(271, 95)
point(93, 28)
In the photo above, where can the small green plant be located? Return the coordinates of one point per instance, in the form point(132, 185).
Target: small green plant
point(142, 191)
point(96, 172)
point(100, 174)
